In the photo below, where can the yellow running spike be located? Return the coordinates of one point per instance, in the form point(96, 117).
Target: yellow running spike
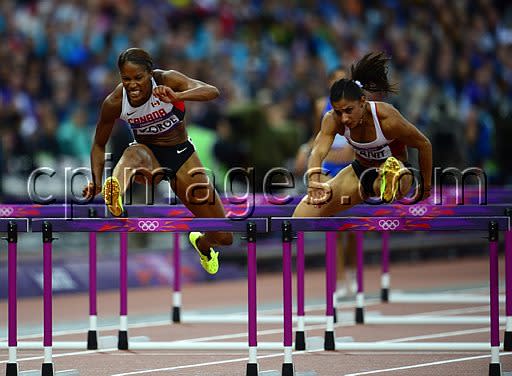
point(211, 265)
point(112, 195)
point(389, 183)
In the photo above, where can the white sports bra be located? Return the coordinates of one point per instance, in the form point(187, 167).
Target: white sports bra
point(377, 149)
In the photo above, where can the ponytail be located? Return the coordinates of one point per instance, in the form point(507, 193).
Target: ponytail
point(370, 74)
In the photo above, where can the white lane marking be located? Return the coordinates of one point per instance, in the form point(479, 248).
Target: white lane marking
point(439, 335)
point(420, 365)
point(85, 352)
point(204, 364)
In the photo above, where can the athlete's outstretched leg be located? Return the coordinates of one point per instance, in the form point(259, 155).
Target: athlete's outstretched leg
point(195, 190)
point(136, 160)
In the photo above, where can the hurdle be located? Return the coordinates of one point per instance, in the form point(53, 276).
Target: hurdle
point(434, 211)
point(142, 211)
point(125, 225)
point(12, 226)
point(490, 224)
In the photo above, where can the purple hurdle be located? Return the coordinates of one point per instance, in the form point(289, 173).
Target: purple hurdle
point(47, 368)
point(360, 287)
point(330, 287)
point(300, 337)
point(287, 369)
point(122, 340)
point(176, 296)
point(12, 239)
point(252, 324)
point(385, 277)
point(507, 341)
point(92, 334)
point(494, 366)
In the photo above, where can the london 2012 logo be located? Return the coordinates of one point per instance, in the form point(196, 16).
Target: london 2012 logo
point(148, 225)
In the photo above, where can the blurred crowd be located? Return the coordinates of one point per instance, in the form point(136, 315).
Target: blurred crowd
point(270, 59)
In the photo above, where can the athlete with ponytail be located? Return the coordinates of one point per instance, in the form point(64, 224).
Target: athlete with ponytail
point(379, 135)
point(152, 102)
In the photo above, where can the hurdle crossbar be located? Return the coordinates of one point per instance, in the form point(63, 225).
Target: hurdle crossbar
point(147, 224)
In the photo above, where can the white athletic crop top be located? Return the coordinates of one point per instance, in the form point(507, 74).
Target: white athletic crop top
point(154, 117)
point(377, 149)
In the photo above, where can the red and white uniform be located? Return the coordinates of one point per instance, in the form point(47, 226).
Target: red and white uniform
point(154, 117)
point(376, 150)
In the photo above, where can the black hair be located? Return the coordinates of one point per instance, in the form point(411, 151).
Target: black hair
point(370, 74)
point(136, 56)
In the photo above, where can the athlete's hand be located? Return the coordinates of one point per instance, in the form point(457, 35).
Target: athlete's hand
point(426, 193)
point(91, 190)
point(318, 193)
point(166, 94)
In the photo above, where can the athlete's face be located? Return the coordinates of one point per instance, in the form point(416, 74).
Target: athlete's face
point(137, 82)
point(349, 112)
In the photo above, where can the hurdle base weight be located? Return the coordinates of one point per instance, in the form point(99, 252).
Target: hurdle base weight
point(11, 369)
point(92, 340)
point(176, 314)
point(300, 341)
point(329, 344)
point(47, 369)
point(359, 315)
point(384, 295)
point(495, 369)
point(507, 341)
point(288, 369)
point(252, 369)
point(122, 342)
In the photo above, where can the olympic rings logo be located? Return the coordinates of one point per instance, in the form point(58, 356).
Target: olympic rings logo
point(6, 211)
point(389, 224)
point(148, 225)
point(418, 210)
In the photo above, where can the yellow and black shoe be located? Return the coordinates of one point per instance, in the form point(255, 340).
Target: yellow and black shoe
point(211, 265)
point(112, 195)
point(389, 183)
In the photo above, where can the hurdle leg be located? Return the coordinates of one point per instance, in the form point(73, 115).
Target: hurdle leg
point(507, 342)
point(494, 366)
point(333, 270)
point(252, 365)
point(330, 261)
point(176, 296)
point(300, 337)
point(360, 288)
point(12, 300)
point(47, 368)
point(385, 277)
point(287, 369)
point(122, 342)
point(92, 334)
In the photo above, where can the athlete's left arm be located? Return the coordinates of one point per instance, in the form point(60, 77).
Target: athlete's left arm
point(396, 127)
point(178, 87)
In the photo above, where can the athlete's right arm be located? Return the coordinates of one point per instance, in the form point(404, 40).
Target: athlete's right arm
point(323, 142)
point(110, 111)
